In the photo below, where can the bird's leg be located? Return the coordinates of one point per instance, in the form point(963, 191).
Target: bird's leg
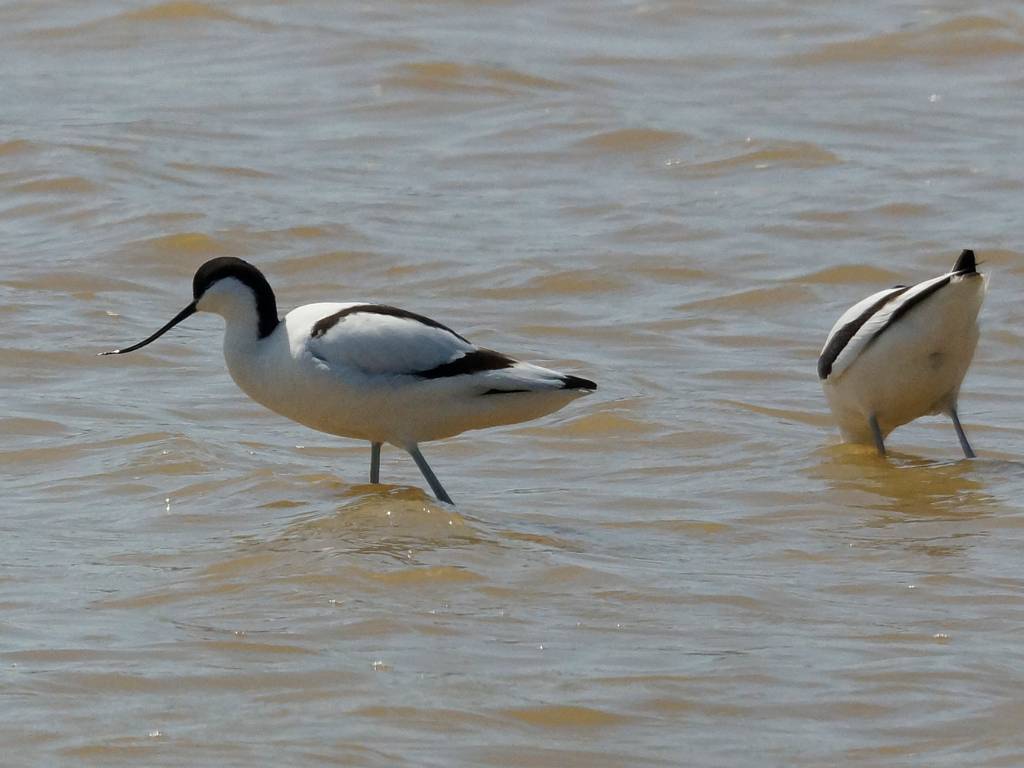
point(968, 451)
point(374, 463)
point(428, 473)
point(879, 443)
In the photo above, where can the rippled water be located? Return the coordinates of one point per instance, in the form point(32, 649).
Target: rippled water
point(677, 201)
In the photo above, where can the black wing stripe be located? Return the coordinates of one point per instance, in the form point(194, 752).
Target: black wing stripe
point(477, 361)
point(325, 324)
point(848, 331)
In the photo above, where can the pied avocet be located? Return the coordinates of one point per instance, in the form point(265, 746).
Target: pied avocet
point(902, 353)
point(366, 371)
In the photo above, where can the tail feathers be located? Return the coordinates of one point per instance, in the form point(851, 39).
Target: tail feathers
point(965, 265)
point(526, 378)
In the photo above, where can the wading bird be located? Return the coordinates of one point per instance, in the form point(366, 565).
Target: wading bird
point(366, 371)
point(902, 353)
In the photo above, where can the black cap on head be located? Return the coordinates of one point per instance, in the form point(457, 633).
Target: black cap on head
point(224, 267)
point(965, 265)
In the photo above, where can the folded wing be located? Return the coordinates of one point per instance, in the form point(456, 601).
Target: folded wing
point(864, 322)
point(377, 339)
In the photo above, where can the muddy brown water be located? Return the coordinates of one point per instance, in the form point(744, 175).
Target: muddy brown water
point(686, 568)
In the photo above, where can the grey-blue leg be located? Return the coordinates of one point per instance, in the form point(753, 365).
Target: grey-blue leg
point(879, 443)
point(428, 473)
point(968, 451)
point(374, 462)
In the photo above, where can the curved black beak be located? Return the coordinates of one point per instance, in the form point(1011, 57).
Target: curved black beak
point(189, 310)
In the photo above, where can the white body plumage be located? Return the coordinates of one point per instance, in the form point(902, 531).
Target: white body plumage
point(358, 380)
point(903, 353)
point(367, 371)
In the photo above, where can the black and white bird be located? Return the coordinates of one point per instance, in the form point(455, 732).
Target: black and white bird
point(366, 371)
point(903, 353)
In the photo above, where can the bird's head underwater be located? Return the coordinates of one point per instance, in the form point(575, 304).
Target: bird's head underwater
point(226, 286)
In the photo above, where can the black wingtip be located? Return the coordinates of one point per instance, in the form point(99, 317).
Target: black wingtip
point(966, 265)
point(824, 367)
point(575, 382)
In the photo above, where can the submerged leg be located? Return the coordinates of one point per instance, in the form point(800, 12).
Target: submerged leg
point(428, 473)
point(879, 443)
point(968, 451)
point(374, 462)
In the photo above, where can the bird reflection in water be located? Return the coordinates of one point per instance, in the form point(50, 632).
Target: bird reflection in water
point(910, 489)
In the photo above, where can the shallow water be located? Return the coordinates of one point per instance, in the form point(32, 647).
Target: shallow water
point(686, 567)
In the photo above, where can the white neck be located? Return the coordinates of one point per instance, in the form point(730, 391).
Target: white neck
point(236, 303)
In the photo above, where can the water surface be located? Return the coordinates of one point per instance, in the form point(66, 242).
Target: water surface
point(686, 567)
